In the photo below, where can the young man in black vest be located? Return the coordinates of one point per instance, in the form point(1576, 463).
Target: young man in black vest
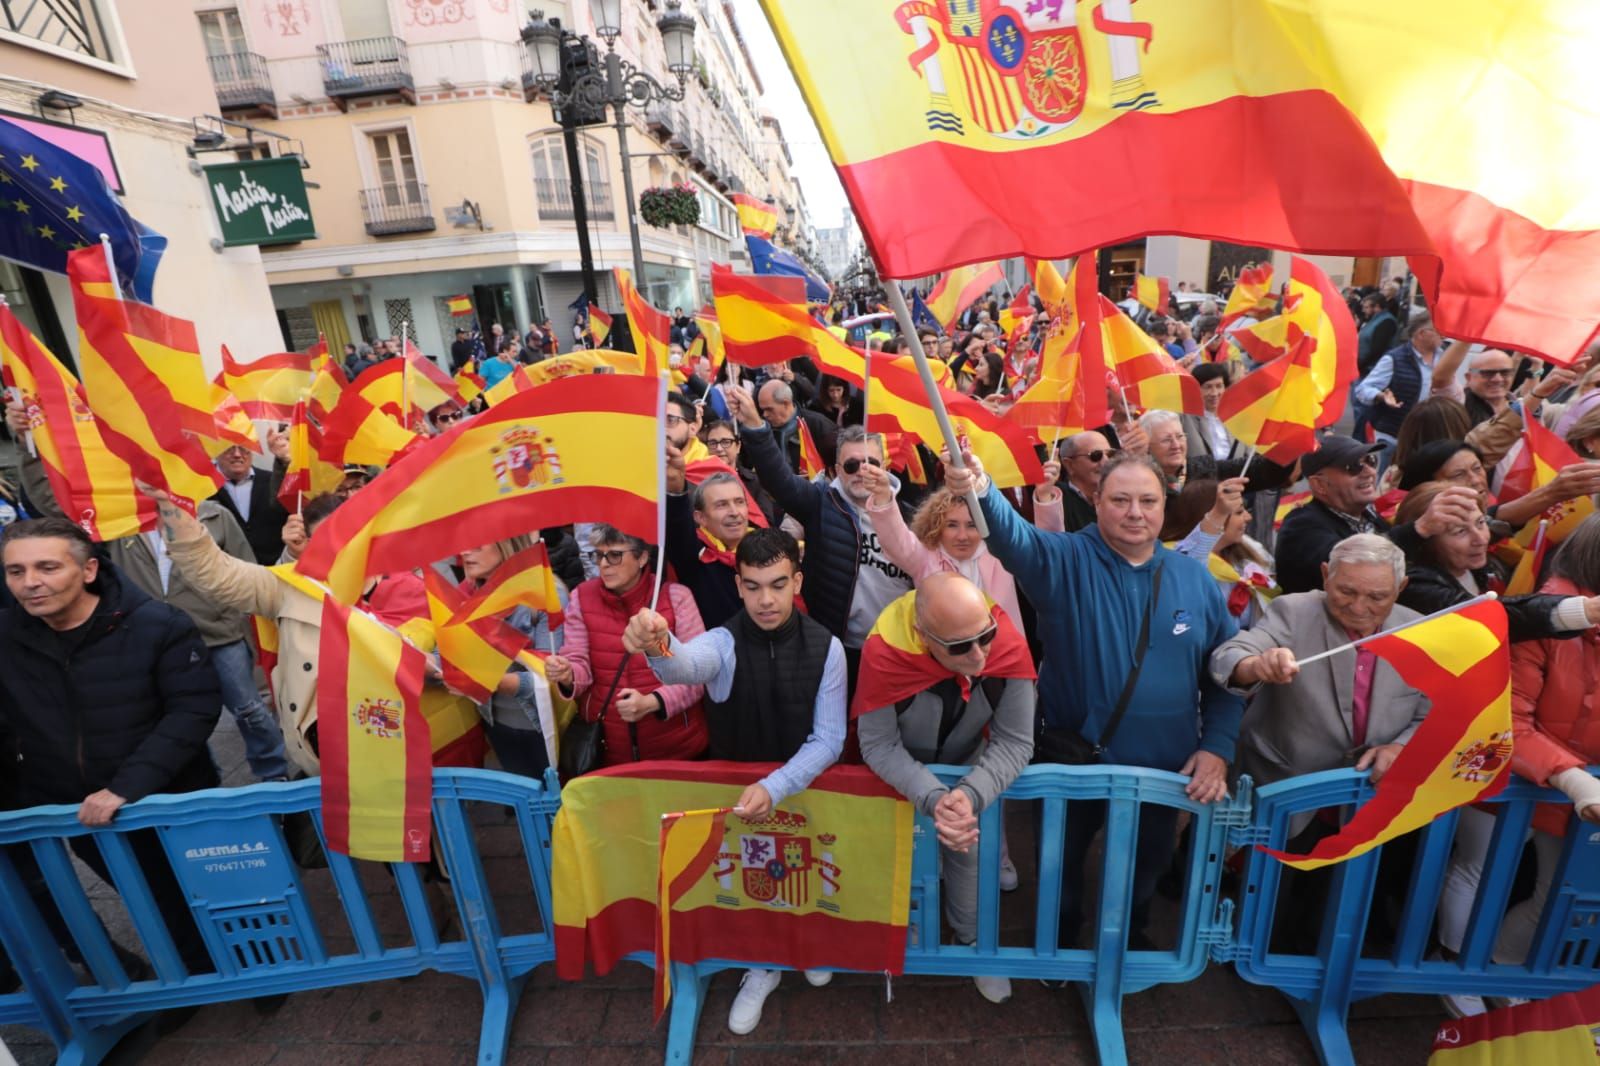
point(775, 692)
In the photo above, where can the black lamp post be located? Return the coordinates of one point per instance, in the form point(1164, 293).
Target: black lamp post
point(566, 67)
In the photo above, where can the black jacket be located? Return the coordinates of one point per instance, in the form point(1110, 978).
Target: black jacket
point(1307, 537)
point(833, 540)
point(264, 530)
point(713, 584)
point(1430, 589)
point(129, 708)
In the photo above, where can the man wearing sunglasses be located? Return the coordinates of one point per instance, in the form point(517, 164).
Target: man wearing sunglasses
point(1081, 456)
point(947, 679)
point(851, 579)
point(1489, 374)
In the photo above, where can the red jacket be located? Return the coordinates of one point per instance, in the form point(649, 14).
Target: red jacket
point(1555, 709)
point(604, 615)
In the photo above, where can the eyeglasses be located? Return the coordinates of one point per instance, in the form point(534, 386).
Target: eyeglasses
point(1368, 462)
point(722, 443)
point(961, 647)
point(1094, 456)
point(1497, 372)
point(851, 466)
point(610, 558)
point(676, 420)
point(449, 417)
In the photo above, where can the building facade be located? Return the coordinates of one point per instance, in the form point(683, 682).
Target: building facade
point(118, 84)
point(440, 171)
point(838, 245)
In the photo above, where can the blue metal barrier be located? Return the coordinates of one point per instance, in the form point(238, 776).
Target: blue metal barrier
point(248, 898)
point(1322, 986)
point(1104, 973)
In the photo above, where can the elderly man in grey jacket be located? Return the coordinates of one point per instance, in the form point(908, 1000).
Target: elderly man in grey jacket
point(978, 677)
point(1351, 709)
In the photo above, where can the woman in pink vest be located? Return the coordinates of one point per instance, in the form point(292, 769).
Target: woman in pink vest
point(644, 719)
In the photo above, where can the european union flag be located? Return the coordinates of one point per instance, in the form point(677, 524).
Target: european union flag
point(920, 315)
point(52, 202)
point(766, 259)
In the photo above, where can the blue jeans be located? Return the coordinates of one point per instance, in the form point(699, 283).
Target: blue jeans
point(263, 740)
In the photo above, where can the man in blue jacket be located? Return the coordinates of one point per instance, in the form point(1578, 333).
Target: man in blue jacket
point(1092, 590)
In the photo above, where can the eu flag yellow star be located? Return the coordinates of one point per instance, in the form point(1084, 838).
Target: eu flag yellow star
point(29, 163)
point(47, 233)
point(22, 206)
point(58, 185)
point(74, 213)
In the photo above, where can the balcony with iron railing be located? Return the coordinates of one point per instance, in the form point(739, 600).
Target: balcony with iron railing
point(555, 200)
point(399, 208)
point(372, 66)
point(242, 82)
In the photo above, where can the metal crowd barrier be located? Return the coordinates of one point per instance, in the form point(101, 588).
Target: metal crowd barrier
point(249, 900)
point(1562, 958)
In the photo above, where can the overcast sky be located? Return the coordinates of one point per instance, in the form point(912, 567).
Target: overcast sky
point(824, 195)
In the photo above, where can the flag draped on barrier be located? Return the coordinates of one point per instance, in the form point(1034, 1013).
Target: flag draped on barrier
point(377, 766)
point(1012, 125)
point(824, 880)
point(1462, 751)
point(563, 452)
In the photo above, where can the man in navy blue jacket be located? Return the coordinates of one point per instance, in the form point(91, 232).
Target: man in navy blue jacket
point(1091, 590)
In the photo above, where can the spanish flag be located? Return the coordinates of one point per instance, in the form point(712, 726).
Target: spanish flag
point(309, 475)
point(1541, 457)
point(269, 387)
point(1154, 293)
point(524, 580)
point(1544, 1032)
point(404, 389)
point(356, 431)
point(1276, 408)
point(564, 452)
point(690, 844)
point(1525, 578)
point(1288, 502)
point(711, 333)
point(1014, 128)
point(1145, 371)
point(896, 663)
point(473, 655)
point(811, 463)
point(377, 769)
point(823, 881)
point(1050, 286)
point(1070, 395)
point(1018, 314)
point(1461, 661)
point(93, 485)
point(458, 305)
point(763, 318)
point(599, 325)
point(143, 379)
point(230, 425)
point(1251, 295)
point(958, 289)
point(469, 383)
point(757, 218)
point(1312, 308)
point(652, 330)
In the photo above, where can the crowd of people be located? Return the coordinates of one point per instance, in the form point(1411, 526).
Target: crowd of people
point(1146, 577)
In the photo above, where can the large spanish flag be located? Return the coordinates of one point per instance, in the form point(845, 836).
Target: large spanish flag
point(1461, 661)
point(824, 880)
point(567, 451)
point(1544, 1032)
point(1014, 125)
point(93, 486)
point(959, 288)
point(377, 766)
point(756, 217)
point(269, 387)
point(143, 378)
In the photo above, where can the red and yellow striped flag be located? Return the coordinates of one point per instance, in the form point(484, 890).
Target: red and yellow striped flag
point(1274, 409)
point(356, 431)
point(1544, 1032)
point(1461, 661)
point(1149, 375)
point(757, 218)
point(400, 389)
point(469, 383)
point(711, 333)
point(652, 330)
point(524, 580)
point(823, 881)
point(1252, 294)
point(1070, 395)
point(308, 475)
point(1312, 307)
point(763, 318)
point(143, 378)
point(473, 655)
point(690, 844)
point(1525, 578)
point(1287, 503)
point(1541, 457)
point(460, 304)
point(267, 388)
point(959, 288)
point(599, 325)
point(377, 763)
point(230, 425)
point(811, 463)
point(1154, 293)
point(92, 485)
point(566, 451)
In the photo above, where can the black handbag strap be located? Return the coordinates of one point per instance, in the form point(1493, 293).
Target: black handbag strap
point(633, 727)
point(1138, 664)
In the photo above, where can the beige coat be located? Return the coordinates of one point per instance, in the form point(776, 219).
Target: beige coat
point(254, 589)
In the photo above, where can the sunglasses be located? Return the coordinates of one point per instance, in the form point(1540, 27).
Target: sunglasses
point(721, 443)
point(1497, 372)
point(961, 647)
point(851, 466)
point(446, 419)
point(610, 558)
point(1094, 456)
point(1367, 462)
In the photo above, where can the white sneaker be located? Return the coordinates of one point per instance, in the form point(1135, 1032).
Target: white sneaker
point(1008, 874)
point(1462, 1005)
point(818, 978)
point(994, 989)
point(754, 989)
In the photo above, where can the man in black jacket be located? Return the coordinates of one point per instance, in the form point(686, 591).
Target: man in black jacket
point(110, 694)
point(249, 493)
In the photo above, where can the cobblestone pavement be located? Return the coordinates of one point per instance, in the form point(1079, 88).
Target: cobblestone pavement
point(433, 1020)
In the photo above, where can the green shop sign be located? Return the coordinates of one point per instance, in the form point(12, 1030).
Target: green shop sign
point(261, 201)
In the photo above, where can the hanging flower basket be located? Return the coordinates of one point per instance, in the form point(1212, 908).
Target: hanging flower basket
point(670, 205)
